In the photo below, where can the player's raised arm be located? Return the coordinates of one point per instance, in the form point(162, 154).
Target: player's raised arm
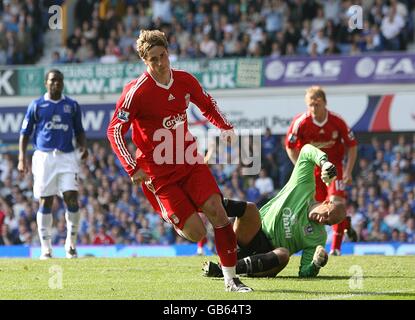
point(308, 158)
point(208, 105)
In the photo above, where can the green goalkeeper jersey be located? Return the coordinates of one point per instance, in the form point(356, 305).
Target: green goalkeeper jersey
point(285, 217)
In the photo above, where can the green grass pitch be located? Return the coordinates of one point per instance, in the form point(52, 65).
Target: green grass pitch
point(345, 277)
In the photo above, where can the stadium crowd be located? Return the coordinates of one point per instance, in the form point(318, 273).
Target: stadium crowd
point(381, 200)
point(105, 31)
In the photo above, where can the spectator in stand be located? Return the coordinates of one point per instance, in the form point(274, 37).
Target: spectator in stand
point(261, 21)
point(391, 27)
point(102, 238)
point(265, 185)
point(410, 230)
point(269, 144)
point(377, 229)
point(332, 48)
point(96, 205)
point(252, 193)
point(208, 46)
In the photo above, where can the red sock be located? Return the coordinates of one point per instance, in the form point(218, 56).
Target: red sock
point(202, 242)
point(225, 241)
point(338, 232)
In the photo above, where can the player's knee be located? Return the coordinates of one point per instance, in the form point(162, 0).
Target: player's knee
point(71, 199)
point(214, 210)
point(251, 209)
point(195, 235)
point(235, 208)
point(212, 203)
point(194, 229)
point(252, 214)
point(46, 202)
point(283, 256)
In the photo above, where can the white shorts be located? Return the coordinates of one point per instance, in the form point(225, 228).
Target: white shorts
point(54, 173)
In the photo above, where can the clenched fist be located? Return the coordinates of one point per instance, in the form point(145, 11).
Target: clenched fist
point(328, 172)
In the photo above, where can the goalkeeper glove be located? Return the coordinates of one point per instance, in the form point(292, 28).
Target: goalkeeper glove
point(328, 172)
point(320, 257)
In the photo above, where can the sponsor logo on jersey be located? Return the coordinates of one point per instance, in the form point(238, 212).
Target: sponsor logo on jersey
point(308, 229)
point(288, 219)
point(123, 115)
point(172, 122)
point(51, 125)
point(43, 105)
point(171, 97)
point(292, 138)
point(67, 108)
point(56, 124)
point(335, 134)
point(174, 218)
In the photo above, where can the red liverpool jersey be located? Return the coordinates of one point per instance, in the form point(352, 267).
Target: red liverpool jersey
point(157, 115)
point(331, 135)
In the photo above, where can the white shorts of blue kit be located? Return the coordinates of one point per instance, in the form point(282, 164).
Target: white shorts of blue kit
point(54, 172)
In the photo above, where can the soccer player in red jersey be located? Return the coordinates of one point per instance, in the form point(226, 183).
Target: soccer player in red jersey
point(167, 164)
point(329, 132)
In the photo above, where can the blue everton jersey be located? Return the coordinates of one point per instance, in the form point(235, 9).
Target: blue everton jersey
point(54, 122)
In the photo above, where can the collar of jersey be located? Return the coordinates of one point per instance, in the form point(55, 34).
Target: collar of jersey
point(322, 123)
point(162, 85)
point(47, 98)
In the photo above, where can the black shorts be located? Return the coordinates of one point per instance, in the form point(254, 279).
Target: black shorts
point(259, 244)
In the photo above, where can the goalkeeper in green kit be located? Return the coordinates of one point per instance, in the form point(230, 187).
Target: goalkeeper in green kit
point(288, 223)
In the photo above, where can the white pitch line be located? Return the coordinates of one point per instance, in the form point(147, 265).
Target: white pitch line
point(352, 295)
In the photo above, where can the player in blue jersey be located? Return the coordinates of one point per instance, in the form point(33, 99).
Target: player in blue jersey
point(54, 120)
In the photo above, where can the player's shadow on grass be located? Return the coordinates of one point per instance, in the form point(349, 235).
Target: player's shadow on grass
point(313, 279)
point(315, 294)
point(340, 277)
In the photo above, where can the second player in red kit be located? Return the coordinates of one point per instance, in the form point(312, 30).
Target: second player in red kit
point(327, 131)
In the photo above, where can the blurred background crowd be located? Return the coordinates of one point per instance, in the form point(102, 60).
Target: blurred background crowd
point(381, 200)
point(105, 31)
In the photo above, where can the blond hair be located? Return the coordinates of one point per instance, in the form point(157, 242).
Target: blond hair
point(149, 39)
point(316, 92)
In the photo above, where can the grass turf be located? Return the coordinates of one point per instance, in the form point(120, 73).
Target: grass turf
point(345, 277)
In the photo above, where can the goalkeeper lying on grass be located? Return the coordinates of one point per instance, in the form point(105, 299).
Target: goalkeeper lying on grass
point(288, 223)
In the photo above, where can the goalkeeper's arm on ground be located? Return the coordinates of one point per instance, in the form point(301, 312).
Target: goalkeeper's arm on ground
point(312, 260)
